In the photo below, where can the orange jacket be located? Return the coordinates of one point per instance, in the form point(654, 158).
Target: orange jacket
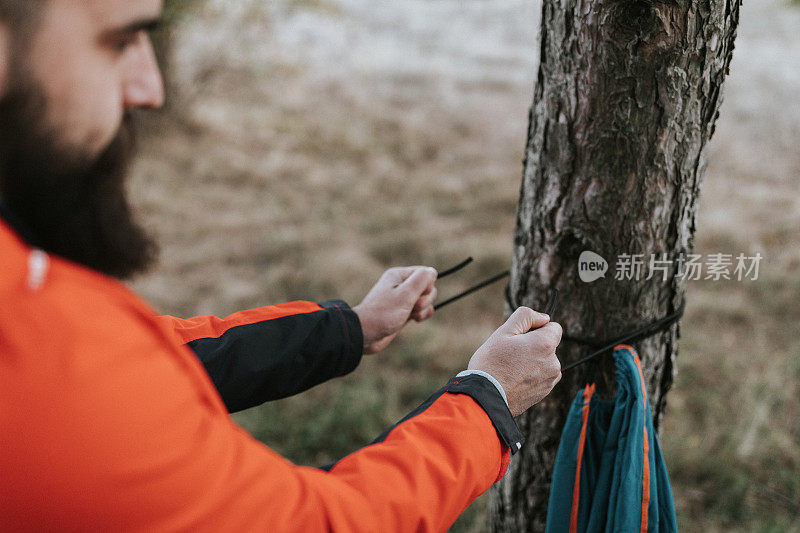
point(109, 420)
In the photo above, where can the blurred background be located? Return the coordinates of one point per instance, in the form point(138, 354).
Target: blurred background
point(308, 145)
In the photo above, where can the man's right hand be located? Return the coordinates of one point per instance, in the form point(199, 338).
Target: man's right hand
point(523, 361)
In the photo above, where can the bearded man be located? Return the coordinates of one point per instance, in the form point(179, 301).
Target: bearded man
point(114, 417)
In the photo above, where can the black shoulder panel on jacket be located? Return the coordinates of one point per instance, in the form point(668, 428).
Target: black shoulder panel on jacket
point(277, 358)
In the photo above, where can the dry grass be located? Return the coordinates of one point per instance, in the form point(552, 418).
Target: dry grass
point(275, 178)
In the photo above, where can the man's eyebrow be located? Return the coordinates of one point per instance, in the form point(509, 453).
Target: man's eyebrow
point(146, 24)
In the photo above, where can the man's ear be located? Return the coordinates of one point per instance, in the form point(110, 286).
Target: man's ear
point(5, 57)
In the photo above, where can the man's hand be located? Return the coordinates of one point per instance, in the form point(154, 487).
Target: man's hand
point(521, 355)
point(401, 294)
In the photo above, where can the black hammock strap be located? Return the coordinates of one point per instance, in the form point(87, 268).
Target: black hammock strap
point(603, 346)
point(453, 270)
point(657, 326)
point(469, 291)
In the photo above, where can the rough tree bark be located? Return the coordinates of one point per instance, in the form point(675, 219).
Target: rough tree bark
point(626, 99)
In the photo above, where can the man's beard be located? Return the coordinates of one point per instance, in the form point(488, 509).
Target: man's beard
point(76, 206)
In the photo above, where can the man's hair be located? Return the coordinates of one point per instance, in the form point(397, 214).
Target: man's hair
point(20, 15)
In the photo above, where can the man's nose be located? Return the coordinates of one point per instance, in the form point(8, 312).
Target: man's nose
point(143, 84)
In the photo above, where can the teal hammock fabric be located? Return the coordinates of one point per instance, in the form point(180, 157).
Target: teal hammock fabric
point(609, 473)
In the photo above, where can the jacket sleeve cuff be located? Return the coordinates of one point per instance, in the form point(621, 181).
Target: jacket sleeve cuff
point(352, 335)
point(486, 394)
point(489, 377)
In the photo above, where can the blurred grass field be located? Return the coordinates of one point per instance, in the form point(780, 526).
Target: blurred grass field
point(311, 144)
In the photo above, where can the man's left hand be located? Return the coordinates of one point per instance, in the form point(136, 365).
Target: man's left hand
point(402, 293)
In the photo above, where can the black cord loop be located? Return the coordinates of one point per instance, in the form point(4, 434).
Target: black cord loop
point(653, 328)
point(657, 326)
point(469, 291)
point(452, 270)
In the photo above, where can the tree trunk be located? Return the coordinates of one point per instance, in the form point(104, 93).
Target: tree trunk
point(626, 99)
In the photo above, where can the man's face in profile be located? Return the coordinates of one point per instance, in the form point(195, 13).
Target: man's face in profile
point(70, 73)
